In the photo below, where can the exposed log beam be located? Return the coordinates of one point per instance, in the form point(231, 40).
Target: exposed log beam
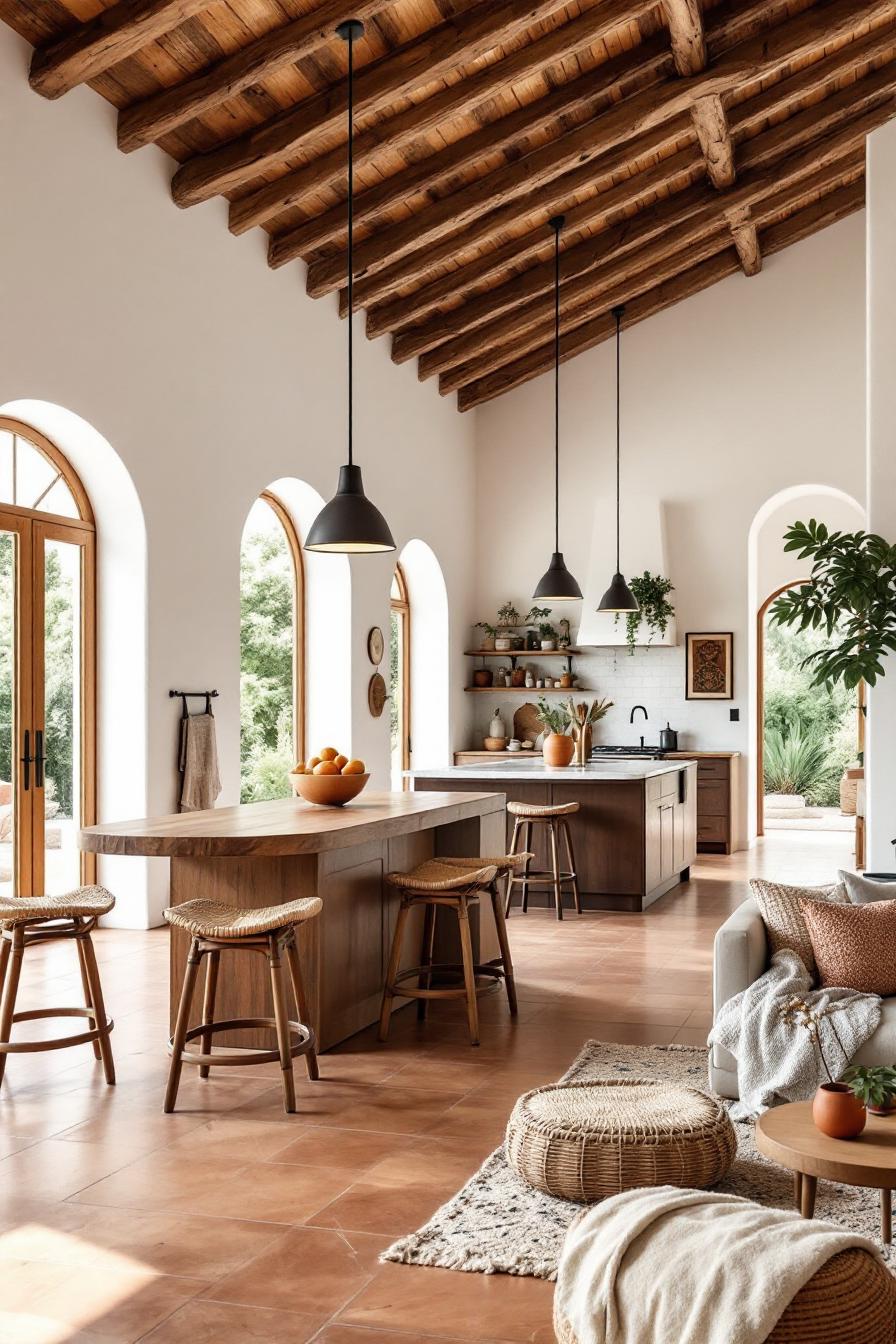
point(434, 53)
point(746, 239)
point(746, 118)
point(711, 125)
point(400, 130)
point(760, 153)
point(590, 266)
point(685, 24)
point(155, 117)
point(752, 60)
point(112, 36)
point(837, 205)
point(495, 138)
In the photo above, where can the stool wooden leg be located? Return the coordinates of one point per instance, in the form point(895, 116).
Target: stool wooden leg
point(14, 956)
point(182, 1025)
point(298, 988)
point(213, 961)
point(508, 890)
point(466, 948)
point(85, 985)
point(504, 944)
point(527, 848)
point(424, 980)
point(5, 949)
point(99, 1009)
point(572, 866)
point(281, 1018)
point(392, 972)
point(555, 866)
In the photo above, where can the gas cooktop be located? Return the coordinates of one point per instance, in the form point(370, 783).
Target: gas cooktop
point(653, 753)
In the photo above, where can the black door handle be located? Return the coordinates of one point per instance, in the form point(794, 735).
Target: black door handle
point(27, 758)
point(39, 759)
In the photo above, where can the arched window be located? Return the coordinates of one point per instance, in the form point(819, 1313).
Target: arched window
point(400, 678)
point(272, 651)
point(47, 666)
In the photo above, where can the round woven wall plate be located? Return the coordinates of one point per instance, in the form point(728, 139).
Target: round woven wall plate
point(376, 695)
point(376, 646)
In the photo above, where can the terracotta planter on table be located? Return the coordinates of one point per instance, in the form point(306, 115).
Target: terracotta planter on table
point(837, 1112)
point(558, 749)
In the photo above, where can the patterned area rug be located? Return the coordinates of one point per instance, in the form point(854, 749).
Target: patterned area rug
point(497, 1224)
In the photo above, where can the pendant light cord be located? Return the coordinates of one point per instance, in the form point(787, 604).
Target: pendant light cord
point(557, 389)
point(617, 313)
point(351, 240)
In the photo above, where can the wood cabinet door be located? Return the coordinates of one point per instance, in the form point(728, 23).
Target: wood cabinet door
point(607, 835)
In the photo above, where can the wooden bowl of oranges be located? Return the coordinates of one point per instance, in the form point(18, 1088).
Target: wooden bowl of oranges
point(328, 779)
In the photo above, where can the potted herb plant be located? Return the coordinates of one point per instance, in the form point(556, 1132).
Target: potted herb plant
point(532, 619)
point(654, 608)
point(488, 639)
point(548, 636)
point(874, 1087)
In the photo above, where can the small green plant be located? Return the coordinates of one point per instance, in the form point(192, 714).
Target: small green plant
point(555, 718)
point(490, 630)
point(795, 760)
point(874, 1087)
point(535, 615)
point(508, 615)
point(655, 609)
point(546, 630)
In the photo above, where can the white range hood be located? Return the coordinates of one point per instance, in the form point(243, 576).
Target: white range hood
point(643, 548)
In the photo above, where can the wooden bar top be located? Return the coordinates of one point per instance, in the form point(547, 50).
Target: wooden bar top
point(285, 826)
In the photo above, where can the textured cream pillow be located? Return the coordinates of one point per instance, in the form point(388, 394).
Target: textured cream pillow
point(863, 890)
point(854, 945)
point(779, 906)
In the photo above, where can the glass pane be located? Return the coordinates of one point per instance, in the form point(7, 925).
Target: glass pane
point(397, 693)
point(395, 590)
point(62, 715)
point(267, 657)
point(7, 715)
point(34, 475)
point(59, 499)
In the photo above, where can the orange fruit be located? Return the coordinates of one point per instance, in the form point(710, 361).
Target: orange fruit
point(354, 768)
point(299, 768)
point(328, 753)
point(341, 761)
point(314, 761)
point(326, 768)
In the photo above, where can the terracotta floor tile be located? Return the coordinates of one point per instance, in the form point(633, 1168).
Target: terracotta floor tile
point(312, 1270)
point(388, 1210)
point(202, 1322)
point(349, 1150)
point(53, 1169)
point(355, 1334)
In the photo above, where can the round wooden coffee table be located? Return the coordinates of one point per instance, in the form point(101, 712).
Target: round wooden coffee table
point(787, 1135)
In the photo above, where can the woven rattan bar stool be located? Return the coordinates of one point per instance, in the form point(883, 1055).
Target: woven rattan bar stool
point(25, 921)
point(453, 884)
point(526, 815)
point(270, 931)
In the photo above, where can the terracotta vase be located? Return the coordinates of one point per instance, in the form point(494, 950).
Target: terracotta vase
point(518, 676)
point(482, 676)
point(837, 1112)
point(558, 749)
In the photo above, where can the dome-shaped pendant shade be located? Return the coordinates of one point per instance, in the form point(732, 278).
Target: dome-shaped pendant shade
point(618, 597)
point(350, 523)
point(557, 584)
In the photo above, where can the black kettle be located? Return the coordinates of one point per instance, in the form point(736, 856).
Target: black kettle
point(668, 739)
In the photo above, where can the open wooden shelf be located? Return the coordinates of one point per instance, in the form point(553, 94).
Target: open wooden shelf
point(518, 653)
point(526, 690)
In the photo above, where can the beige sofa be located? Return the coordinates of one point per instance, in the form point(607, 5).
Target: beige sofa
point(740, 956)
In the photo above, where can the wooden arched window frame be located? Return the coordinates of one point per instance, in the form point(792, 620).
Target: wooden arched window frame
point(34, 525)
point(760, 702)
point(285, 519)
point(400, 608)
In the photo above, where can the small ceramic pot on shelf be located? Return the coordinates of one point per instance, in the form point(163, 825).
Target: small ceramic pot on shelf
point(837, 1111)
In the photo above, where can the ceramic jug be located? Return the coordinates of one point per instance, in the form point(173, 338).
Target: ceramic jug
point(496, 728)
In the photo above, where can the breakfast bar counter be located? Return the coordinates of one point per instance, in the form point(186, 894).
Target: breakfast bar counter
point(260, 854)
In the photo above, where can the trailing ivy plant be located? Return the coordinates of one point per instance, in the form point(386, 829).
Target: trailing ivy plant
point(851, 592)
point(655, 609)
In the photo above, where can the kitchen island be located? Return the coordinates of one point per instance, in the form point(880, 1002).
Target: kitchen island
point(634, 835)
point(262, 854)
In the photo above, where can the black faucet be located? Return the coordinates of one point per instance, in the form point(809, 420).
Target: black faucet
point(631, 719)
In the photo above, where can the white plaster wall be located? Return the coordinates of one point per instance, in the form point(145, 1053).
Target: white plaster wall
point(750, 388)
point(211, 376)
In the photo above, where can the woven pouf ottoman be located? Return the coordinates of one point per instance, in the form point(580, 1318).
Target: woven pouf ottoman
point(850, 1300)
point(584, 1141)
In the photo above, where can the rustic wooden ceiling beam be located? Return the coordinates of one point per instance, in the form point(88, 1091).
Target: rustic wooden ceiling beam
point(752, 60)
point(465, 97)
point(400, 313)
point(103, 41)
point(157, 116)
point(648, 67)
point(589, 267)
point(761, 154)
point(685, 24)
point(746, 239)
point(835, 206)
point(711, 125)
point(426, 58)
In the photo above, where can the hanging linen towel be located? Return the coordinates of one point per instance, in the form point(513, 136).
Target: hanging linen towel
point(198, 763)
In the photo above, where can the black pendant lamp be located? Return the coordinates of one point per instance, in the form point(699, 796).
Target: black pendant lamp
point(618, 597)
point(557, 584)
point(350, 523)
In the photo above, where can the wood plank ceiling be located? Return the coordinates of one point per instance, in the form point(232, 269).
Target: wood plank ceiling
point(684, 140)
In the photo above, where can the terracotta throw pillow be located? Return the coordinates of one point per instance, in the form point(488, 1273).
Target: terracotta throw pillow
point(779, 906)
point(854, 945)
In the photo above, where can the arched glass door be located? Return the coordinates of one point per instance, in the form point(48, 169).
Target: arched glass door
point(47, 666)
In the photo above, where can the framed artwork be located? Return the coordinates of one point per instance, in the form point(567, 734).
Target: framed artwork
point(709, 666)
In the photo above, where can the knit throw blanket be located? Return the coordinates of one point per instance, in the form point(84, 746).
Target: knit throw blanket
point(686, 1267)
point(778, 1058)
